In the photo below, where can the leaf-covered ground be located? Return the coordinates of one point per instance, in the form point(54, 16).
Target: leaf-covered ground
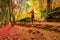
point(16, 32)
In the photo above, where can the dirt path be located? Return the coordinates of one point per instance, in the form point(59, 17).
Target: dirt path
point(49, 23)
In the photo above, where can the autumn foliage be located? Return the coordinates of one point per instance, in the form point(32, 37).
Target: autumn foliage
point(13, 5)
point(2, 4)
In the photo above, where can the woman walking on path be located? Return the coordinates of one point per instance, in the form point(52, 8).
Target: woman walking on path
point(32, 16)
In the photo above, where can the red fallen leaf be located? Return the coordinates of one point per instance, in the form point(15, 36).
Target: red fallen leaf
point(37, 32)
point(29, 31)
point(2, 3)
point(13, 6)
point(48, 38)
point(41, 34)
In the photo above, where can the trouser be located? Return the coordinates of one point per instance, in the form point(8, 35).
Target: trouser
point(32, 20)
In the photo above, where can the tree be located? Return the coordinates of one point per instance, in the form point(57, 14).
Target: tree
point(7, 11)
point(48, 6)
point(12, 17)
point(4, 11)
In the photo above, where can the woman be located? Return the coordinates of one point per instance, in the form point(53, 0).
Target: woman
point(32, 16)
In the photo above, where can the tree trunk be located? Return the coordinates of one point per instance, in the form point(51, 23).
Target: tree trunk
point(48, 6)
point(12, 18)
